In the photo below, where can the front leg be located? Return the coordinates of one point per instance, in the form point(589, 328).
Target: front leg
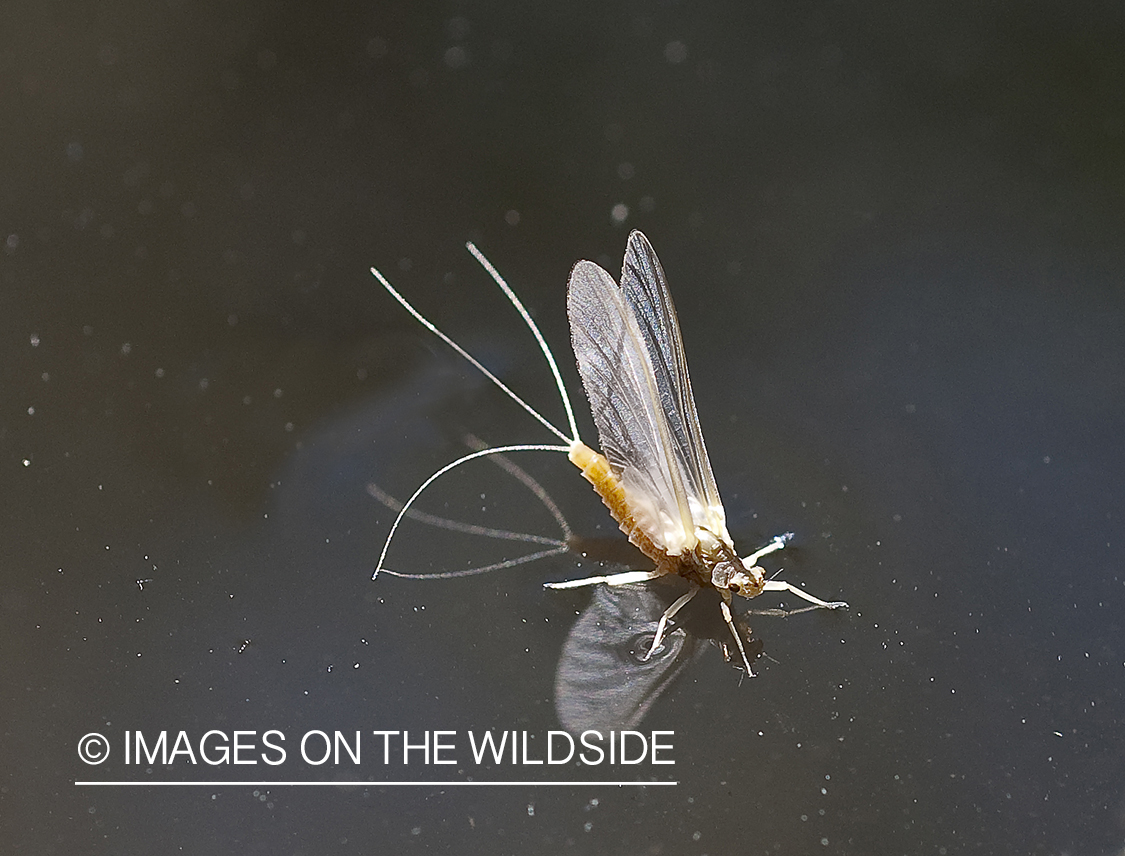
point(781, 585)
point(778, 542)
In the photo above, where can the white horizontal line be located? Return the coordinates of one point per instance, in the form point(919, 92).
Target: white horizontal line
point(378, 784)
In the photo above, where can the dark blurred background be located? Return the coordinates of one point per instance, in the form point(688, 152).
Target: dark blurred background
point(894, 232)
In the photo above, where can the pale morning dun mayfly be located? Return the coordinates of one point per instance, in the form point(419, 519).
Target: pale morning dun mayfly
point(653, 473)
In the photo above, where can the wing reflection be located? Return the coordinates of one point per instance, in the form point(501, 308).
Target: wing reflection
point(602, 682)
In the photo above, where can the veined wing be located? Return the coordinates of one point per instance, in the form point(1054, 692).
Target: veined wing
point(646, 291)
point(630, 355)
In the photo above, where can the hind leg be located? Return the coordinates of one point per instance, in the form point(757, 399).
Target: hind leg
point(622, 579)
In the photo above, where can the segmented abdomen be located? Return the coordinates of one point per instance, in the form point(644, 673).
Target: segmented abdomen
point(597, 471)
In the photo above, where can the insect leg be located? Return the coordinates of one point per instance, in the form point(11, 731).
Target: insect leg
point(611, 580)
point(776, 543)
point(679, 604)
point(780, 585)
point(729, 619)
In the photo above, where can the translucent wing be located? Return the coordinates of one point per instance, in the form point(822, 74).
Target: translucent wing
point(601, 682)
point(646, 291)
point(630, 355)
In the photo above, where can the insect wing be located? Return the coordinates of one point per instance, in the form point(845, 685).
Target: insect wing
point(630, 355)
point(646, 292)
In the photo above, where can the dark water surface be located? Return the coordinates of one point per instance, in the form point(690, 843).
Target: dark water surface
point(894, 233)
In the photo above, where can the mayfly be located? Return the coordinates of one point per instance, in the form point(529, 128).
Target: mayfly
point(653, 473)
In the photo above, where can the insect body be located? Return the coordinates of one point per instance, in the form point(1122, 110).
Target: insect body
point(653, 472)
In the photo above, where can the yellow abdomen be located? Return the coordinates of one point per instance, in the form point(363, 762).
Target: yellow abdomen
point(597, 471)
